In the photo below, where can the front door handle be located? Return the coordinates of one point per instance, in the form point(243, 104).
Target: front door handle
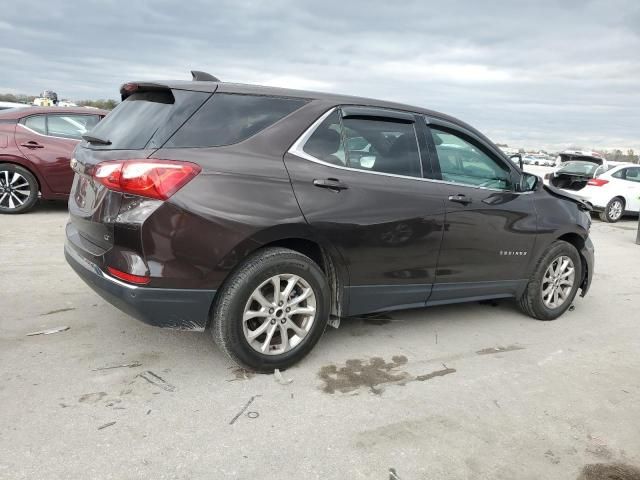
point(31, 144)
point(460, 198)
point(330, 183)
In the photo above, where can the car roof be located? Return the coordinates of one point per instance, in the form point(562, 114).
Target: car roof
point(337, 99)
point(24, 112)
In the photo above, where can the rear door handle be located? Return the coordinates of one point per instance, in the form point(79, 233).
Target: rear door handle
point(460, 198)
point(330, 183)
point(31, 144)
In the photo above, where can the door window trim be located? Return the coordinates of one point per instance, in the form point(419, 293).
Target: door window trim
point(297, 150)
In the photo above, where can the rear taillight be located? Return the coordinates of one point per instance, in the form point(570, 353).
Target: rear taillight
point(597, 182)
point(128, 277)
point(150, 178)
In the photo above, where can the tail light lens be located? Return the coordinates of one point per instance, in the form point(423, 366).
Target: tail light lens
point(597, 182)
point(128, 277)
point(150, 178)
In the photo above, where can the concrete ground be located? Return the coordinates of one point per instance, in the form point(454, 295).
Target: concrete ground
point(469, 391)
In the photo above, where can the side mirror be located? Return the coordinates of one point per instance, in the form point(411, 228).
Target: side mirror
point(528, 182)
point(520, 162)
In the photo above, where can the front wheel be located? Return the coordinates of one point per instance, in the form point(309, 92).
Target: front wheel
point(18, 189)
point(554, 283)
point(272, 310)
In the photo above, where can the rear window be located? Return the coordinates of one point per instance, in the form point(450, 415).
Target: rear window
point(229, 118)
point(147, 119)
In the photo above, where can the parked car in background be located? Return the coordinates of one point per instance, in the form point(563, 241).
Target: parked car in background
point(574, 175)
point(36, 144)
point(613, 191)
point(264, 214)
point(8, 105)
point(579, 155)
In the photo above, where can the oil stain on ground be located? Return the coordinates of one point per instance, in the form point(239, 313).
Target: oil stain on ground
point(609, 471)
point(498, 349)
point(372, 374)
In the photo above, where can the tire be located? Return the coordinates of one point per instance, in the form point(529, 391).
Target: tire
point(613, 211)
point(237, 297)
point(532, 302)
point(17, 200)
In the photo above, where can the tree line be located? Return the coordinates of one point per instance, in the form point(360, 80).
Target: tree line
point(619, 156)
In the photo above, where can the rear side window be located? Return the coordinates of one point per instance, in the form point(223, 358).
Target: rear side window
point(147, 119)
point(632, 174)
point(37, 123)
point(382, 146)
point(71, 126)
point(326, 141)
point(229, 118)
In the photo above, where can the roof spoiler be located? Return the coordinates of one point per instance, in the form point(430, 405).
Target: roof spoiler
point(198, 76)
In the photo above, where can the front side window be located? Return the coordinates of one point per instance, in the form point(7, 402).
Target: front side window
point(37, 123)
point(71, 126)
point(228, 118)
point(463, 162)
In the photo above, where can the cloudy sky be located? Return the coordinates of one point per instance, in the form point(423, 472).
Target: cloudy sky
point(534, 74)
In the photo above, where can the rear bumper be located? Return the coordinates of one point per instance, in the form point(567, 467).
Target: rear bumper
point(588, 256)
point(183, 309)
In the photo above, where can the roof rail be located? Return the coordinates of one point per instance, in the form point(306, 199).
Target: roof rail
point(203, 77)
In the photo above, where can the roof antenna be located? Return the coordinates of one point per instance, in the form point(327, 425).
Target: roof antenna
point(203, 77)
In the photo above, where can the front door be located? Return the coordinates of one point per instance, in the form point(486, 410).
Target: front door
point(489, 229)
point(358, 177)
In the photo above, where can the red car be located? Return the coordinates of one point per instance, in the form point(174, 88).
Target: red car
point(36, 145)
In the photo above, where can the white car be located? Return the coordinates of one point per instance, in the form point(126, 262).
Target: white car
point(7, 105)
point(611, 190)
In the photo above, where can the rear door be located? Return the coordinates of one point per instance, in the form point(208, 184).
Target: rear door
point(371, 202)
point(630, 186)
point(49, 140)
point(489, 229)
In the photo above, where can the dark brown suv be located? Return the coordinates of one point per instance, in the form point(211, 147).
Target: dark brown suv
point(266, 214)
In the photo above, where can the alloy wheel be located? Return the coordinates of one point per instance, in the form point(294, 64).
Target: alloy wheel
point(279, 314)
point(615, 210)
point(558, 281)
point(14, 190)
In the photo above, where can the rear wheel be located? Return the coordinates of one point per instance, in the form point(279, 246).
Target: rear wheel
point(18, 189)
point(613, 211)
point(272, 310)
point(554, 283)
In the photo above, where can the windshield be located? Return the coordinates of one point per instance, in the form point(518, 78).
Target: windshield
point(580, 168)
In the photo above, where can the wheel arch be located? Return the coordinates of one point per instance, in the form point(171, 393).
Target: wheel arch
point(27, 165)
point(621, 197)
point(299, 238)
point(579, 243)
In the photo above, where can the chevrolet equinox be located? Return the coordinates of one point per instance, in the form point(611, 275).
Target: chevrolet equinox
point(264, 214)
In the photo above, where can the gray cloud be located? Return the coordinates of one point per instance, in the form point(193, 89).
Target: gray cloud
point(542, 73)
